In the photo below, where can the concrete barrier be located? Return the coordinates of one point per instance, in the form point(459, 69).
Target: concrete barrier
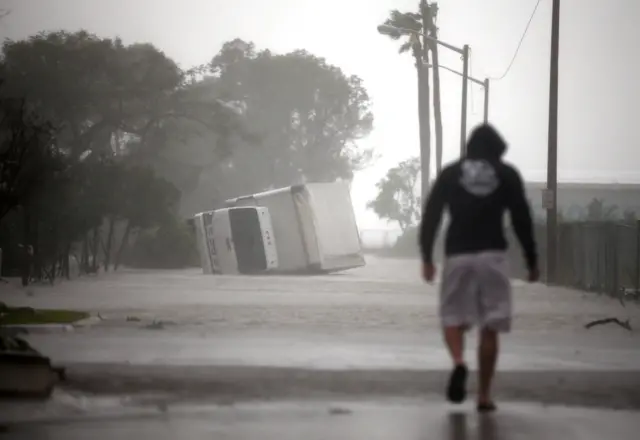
point(27, 374)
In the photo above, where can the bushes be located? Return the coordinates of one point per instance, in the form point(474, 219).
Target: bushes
point(171, 246)
point(11, 236)
point(407, 244)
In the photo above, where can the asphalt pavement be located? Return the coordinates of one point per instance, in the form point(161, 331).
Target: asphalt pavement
point(363, 335)
point(378, 317)
point(348, 420)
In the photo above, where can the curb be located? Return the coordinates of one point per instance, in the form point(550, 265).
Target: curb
point(88, 322)
point(16, 329)
point(598, 389)
point(39, 328)
point(28, 374)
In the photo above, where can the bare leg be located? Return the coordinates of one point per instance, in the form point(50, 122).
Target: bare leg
point(487, 357)
point(454, 337)
point(457, 387)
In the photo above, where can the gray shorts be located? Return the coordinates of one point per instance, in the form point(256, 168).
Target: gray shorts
point(476, 290)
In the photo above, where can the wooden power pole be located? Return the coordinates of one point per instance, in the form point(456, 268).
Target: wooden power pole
point(551, 196)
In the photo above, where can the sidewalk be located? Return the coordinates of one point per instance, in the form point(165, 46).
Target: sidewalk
point(369, 331)
point(241, 365)
point(602, 389)
point(323, 420)
point(324, 348)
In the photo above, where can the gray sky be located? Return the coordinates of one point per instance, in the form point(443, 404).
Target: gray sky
point(599, 88)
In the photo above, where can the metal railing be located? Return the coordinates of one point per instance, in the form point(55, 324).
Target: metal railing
point(602, 257)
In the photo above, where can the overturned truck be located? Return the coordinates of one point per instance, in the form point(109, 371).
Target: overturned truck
point(308, 228)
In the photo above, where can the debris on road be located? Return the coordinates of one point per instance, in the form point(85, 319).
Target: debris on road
point(158, 325)
point(624, 324)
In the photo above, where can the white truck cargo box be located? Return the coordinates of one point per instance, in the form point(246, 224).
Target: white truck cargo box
point(243, 238)
point(314, 226)
point(204, 239)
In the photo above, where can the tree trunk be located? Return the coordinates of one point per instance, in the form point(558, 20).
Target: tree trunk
point(84, 263)
point(52, 273)
point(26, 226)
point(96, 248)
point(425, 131)
point(424, 96)
point(38, 259)
point(65, 263)
point(54, 252)
point(26, 262)
point(437, 109)
point(107, 247)
point(123, 245)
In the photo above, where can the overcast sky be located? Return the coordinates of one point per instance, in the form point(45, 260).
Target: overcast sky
point(599, 85)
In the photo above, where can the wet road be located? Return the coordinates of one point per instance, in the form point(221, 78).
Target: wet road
point(379, 316)
point(361, 335)
point(325, 420)
point(333, 350)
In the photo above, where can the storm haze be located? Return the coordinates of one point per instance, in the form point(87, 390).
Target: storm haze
point(598, 89)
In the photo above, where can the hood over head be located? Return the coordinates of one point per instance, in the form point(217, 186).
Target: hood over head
point(486, 143)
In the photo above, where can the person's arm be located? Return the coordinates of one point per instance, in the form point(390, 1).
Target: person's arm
point(431, 218)
point(521, 218)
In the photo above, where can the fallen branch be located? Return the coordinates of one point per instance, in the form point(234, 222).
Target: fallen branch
point(623, 324)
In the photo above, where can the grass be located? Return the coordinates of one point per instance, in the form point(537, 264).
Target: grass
point(28, 316)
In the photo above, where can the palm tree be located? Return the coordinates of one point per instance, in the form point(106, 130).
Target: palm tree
point(413, 22)
point(437, 110)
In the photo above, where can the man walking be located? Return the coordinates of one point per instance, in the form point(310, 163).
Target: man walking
point(475, 288)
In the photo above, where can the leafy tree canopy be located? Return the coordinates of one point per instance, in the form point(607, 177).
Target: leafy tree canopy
point(307, 113)
point(397, 200)
point(88, 125)
point(107, 97)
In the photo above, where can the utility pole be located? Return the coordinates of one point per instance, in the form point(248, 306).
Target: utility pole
point(551, 197)
point(486, 100)
point(424, 97)
point(465, 86)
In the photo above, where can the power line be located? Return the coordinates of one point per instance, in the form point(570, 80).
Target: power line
point(524, 34)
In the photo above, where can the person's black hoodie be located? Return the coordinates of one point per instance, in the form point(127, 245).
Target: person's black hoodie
point(477, 191)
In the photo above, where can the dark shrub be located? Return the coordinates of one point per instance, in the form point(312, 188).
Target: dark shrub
point(171, 246)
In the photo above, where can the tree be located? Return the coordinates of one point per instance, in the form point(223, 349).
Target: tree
point(29, 159)
point(76, 200)
point(431, 14)
point(307, 114)
point(397, 200)
point(147, 201)
point(110, 98)
point(122, 107)
point(192, 147)
point(630, 217)
point(26, 153)
point(413, 24)
point(117, 105)
point(598, 211)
